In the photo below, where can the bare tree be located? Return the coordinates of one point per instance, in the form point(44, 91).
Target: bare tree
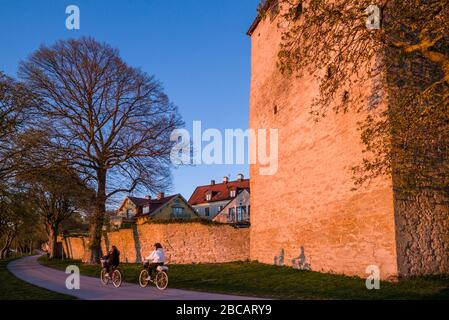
point(110, 121)
point(16, 214)
point(14, 100)
point(15, 211)
point(4, 210)
point(57, 193)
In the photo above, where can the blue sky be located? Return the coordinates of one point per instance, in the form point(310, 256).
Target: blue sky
point(197, 48)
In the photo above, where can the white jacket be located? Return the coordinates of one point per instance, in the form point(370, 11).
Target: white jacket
point(157, 256)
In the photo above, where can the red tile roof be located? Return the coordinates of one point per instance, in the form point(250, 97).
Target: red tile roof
point(220, 191)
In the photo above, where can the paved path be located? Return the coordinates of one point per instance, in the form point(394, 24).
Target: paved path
point(29, 270)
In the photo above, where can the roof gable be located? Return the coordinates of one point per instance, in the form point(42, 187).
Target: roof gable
point(139, 201)
point(241, 194)
point(136, 202)
point(156, 205)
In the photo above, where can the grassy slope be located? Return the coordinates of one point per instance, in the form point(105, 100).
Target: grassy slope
point(13, 288)
point(257, 279)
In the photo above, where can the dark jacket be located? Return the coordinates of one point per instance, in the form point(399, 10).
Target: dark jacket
point(113, 257)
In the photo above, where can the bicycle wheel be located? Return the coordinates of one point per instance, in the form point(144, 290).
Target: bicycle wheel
point(143, 282)
point(117, 278)
point(161, 280)
point(103, 278)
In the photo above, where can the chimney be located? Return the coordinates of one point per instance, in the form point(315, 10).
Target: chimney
point(225, 179)
point(160, 195)
point(239, 177)
point(212, 182)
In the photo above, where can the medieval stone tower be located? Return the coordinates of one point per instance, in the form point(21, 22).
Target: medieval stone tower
point(307, 215)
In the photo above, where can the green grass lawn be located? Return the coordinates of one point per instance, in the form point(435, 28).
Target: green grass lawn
point(13, 288)
point(255, 279)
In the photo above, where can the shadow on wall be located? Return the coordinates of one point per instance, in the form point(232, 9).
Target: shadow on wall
point(68, 248)
point(84, 245)
point(168, 251)
point(137, 243)
point(299, 262)
point(279, 261)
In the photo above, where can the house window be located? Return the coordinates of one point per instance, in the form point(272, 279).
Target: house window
point(177, 212)
point(208, 197)
point(241, 214)
point(206, 211)
point(146, 210)
point(232, 193)
point(129, 213)
point(231, 217)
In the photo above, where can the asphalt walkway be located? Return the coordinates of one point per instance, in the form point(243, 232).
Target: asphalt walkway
point(30, 270)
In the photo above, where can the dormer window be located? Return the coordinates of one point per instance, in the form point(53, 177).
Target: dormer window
point(177, 212)
point(232, 193)
point(208, 197)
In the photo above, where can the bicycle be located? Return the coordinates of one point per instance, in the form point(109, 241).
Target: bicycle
point(105, 278)
point(160, 280)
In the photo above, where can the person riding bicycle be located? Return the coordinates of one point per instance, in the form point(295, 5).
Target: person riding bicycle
point(155, 259)
point(112, 260)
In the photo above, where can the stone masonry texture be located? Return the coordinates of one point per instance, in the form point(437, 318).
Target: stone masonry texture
point(308, 215)
point(183, 243)
point(308, 211)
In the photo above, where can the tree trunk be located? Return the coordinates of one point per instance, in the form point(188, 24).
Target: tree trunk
point(52, 240)
point(93, 253)
point(22, 247)
point(8, 242)
point(3, 253)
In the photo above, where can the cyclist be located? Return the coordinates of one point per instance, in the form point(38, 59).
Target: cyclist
point(112, 260)
point(155, 259)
